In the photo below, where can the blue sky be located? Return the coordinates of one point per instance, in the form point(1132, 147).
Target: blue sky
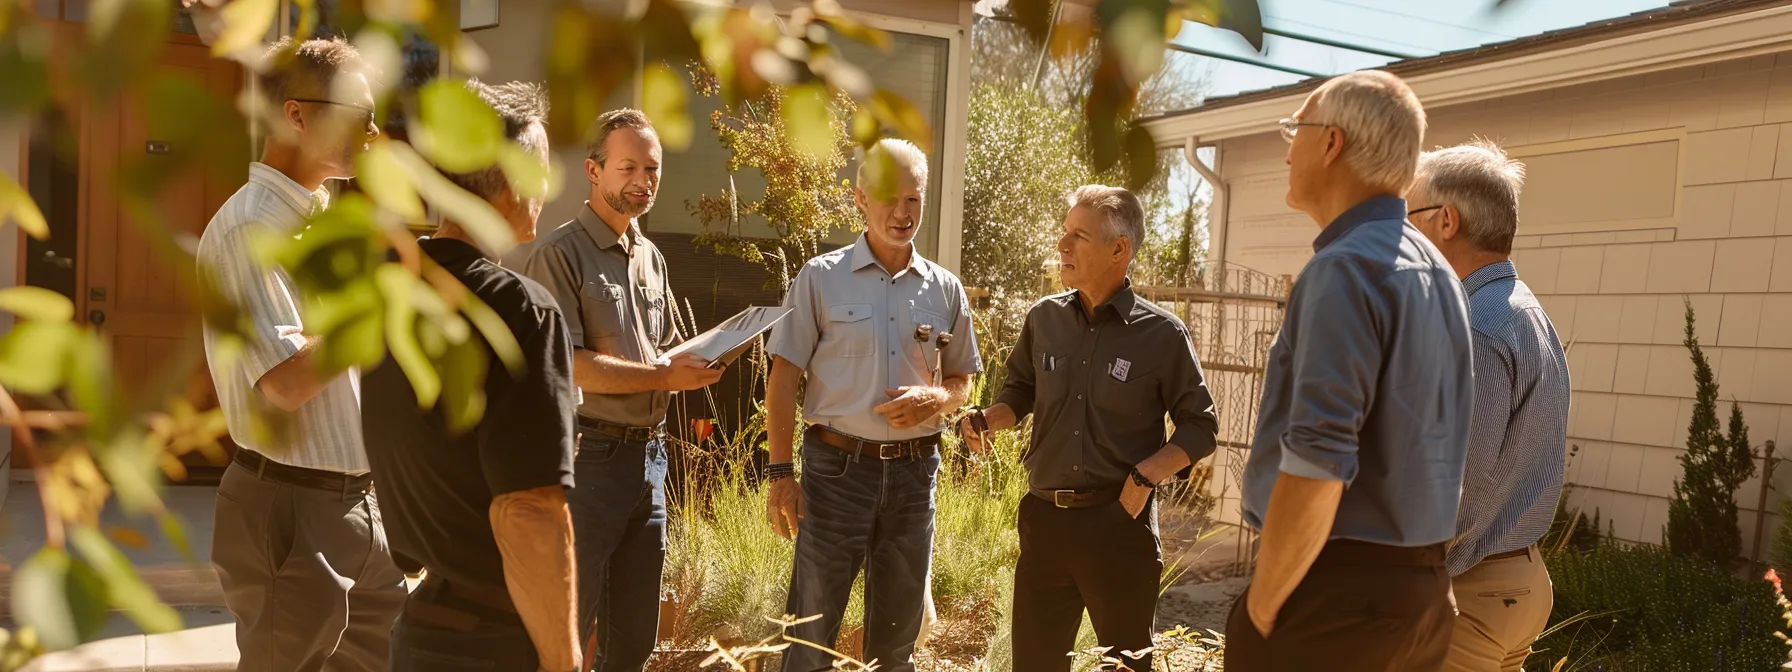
point(1417, 27)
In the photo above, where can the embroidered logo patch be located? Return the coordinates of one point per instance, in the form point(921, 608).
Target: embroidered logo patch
point(1121, 366)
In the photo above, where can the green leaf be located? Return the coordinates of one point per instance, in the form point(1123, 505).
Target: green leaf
point(663, 99)
point(1036, 16)
point(864, 127)
point(459, 131)
point(463, 385)
point(808, 120)
point(245, 22)
point(471, 212)
point(360, 341)
point(91, 385)
point(37, 304)
point(1239, 16)
point(24, 81)
point(397, 284)
point(33, 356)
point(1141, 158)
point(1135, 36)
point(385, 180)
point(176, 532)
point(125, 589)
point(16, 205)
point(897, 113)
point(497, 334)
point(61, 598)
point(133, 471)
point(530, 176)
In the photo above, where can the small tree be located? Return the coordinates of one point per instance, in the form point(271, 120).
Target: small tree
point(1702, 515)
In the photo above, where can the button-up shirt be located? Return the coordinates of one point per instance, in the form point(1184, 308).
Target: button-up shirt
point(325, 433)
point(1514, 472)
point(1099, 390)
point(1370, 382)
point(852, 330)
point(617, 301)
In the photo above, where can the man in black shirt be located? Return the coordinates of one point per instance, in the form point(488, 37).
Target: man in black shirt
point(484, 510)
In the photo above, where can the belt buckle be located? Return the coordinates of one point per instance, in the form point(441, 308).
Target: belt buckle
point(1058, 498)
point(884, 454)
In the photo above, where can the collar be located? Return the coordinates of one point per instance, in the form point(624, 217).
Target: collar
point(1486, 275)
point(1377, 208)
point(862, 257)
point(1124, 303)
point(602, 234)
point(449, 251)
point(305, 202)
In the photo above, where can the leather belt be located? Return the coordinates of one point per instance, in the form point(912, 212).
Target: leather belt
point(624, 432)
point(459, 607)
point(1522, 552)
point(301, 477)
point(894, 450)
point(1078, 499)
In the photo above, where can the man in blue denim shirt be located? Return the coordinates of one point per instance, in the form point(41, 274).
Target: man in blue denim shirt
point(875, 397)
point(1356, 467)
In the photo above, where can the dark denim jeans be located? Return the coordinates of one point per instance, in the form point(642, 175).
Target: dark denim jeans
point(618, 506)
point(862, 512)
point(492, 645)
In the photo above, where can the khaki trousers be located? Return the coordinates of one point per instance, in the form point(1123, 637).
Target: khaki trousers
point(1503, 605)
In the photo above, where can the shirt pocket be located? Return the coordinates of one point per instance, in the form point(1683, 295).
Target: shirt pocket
point(601, 307)
point(655, 316)
point(919, 317)
point(1134, 397)
point(850, 332)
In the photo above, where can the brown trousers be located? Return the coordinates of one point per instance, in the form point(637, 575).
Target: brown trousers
point(1503, 605)
point(1361, 608)
point(307, 573)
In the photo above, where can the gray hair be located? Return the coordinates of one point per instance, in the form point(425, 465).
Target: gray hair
point(610, 121)
point(523, 106)
point(1122, 214)
point(1483, 183)
point(901, 153)
point(1383, 123)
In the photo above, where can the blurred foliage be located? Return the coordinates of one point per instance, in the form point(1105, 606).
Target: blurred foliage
point(805, 199)
point(1702, 514)
point(1644, 608)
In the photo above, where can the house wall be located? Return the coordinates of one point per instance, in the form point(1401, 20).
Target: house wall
point(1641, 191)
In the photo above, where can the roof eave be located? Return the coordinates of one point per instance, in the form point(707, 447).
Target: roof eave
point(1718, 38)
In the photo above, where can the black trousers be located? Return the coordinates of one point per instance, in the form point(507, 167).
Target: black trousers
point(1096, 558)
point(1362, 607)
point(438, 633)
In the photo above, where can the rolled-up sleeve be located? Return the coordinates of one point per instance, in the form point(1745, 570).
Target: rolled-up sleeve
point(262, 295)
point(1190, 402)
point(961, 358)
point(1017, 391)
point(795, 336)
point(1334, 376)
point(550, 267)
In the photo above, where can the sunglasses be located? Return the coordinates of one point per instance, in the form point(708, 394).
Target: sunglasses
point(365, 110)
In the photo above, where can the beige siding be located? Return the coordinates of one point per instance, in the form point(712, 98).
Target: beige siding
point(1645, 193)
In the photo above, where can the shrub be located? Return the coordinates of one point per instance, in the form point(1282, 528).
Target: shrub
point(1643, 608)
point(1702, 514)
point(1781, 555)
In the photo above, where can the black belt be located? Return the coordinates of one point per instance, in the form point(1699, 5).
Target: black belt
point(301, 477)
point(1078, 499)
point(459, 607)
point(624, 432)
point(890, 450)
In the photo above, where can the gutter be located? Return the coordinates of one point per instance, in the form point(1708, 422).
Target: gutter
point(1216, 212)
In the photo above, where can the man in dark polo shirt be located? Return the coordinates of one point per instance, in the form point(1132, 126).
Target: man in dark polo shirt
point(484, 510)
point(1099, 369)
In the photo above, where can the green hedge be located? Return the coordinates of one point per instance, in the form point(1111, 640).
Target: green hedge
point(1640, 609)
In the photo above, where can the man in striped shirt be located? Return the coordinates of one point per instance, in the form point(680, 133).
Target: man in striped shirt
point(298, 544)
point(1465, 200)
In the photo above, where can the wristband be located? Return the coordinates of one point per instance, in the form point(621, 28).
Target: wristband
point(1141, 480)
point(777, 470)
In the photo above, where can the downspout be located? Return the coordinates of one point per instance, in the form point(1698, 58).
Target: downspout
point(1216, 215)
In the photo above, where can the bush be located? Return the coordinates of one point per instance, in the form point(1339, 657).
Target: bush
point(1781, 555)
point(1702, 514)
point(1642, 608)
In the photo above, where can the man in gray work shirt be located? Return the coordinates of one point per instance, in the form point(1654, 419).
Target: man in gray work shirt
point(610, 281)
point(1356, 467)
point(1099, 369)
point(1465, 200)
point(874, 401)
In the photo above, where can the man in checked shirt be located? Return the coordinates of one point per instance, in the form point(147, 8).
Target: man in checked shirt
point(1099, 369)
point(1465, 200)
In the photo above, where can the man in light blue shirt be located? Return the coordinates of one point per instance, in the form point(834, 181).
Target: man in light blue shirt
point(1466, 201)
point(1356, 467)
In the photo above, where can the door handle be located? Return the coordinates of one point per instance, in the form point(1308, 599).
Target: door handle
point(61, 262)
point(96, 316)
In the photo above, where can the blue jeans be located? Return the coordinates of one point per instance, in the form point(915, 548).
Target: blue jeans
point(862, 512)
point(618, 506)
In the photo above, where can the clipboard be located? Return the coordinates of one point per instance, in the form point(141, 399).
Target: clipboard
point(728, 340)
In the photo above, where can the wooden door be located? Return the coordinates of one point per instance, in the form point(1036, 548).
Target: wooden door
point(130, 289)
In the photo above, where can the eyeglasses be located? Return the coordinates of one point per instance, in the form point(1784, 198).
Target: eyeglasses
point(1291, 126)
point(365, 110)
point(1428, 208)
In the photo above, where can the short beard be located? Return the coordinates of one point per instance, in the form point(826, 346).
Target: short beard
point(621, 205)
